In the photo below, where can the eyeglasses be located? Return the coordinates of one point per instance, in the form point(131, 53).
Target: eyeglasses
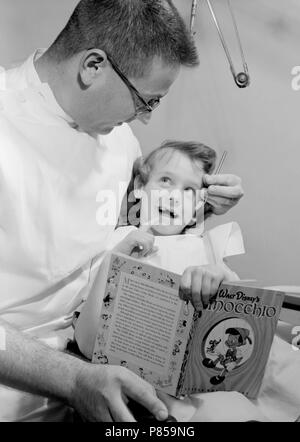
point(142, 106)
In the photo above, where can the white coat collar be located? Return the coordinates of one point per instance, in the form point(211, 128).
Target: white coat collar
point(33, 81)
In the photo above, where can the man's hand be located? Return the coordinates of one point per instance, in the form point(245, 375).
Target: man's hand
point(137, 243)
point(223, 192)
point(97, 392)
point(102, 391)
point(199, 284)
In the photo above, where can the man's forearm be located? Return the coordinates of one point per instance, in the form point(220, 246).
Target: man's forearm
point(27, 364)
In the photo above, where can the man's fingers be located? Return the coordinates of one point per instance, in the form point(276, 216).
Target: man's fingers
point(146, 396)
point(227, 186)
point(235, 192)
point(222, 180)
point(120, 412)
point(104, 415)
point(220, 202)
point(222, 192)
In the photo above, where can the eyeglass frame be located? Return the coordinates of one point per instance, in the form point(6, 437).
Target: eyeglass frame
point(147, 107)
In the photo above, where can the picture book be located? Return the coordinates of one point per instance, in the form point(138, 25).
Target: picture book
point(146, 327)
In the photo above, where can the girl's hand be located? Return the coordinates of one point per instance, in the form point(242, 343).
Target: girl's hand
point(199, 284)
point(138, 243)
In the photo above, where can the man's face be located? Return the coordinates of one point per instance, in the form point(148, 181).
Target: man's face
point(109, 102)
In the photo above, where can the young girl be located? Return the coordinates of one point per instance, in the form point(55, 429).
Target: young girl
point(169, 183)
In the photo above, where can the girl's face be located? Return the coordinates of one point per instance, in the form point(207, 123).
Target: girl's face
point(172, 193)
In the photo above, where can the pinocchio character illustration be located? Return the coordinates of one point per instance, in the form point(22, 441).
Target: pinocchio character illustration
point(237, 337)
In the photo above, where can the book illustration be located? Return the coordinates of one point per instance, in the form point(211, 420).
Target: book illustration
point(180, 383)
point(166, 279)
point(106, 319)
point(101, 358)
point(167, 382)
point(173, 365)
point(212, 345)
point(108, 300)
point(144, 374)
point(101, 338)
point(176, 348)
point(181, 327)
point(139, 271)
point(226, 347)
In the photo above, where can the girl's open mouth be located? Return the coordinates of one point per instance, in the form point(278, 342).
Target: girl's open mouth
point(167, 212)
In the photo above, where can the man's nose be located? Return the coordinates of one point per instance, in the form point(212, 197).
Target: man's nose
point(145, 118)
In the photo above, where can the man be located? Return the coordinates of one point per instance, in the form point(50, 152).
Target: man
point(112, 63)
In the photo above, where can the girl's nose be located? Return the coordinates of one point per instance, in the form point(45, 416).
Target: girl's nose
point(176, 200)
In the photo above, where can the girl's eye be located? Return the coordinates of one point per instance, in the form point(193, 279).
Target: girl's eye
point(165, 180)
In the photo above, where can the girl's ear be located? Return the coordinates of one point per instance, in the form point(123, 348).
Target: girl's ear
point(138, 187)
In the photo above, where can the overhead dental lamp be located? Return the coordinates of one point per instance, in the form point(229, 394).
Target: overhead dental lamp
point(241, 79)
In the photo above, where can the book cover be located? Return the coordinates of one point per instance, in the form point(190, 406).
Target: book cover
point(231, 341)
point(145, 327)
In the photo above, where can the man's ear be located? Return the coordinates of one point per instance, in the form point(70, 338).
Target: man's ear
point(92, 65)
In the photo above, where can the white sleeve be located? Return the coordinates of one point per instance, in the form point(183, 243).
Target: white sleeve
point(138, 149)
point(226, 240)
point(235, 242)
point(118, 235)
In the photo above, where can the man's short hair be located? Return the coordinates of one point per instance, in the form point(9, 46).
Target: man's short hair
point(131, 32)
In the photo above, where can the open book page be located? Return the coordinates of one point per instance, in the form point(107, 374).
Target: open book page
point(232, 340)
point(143, 324)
